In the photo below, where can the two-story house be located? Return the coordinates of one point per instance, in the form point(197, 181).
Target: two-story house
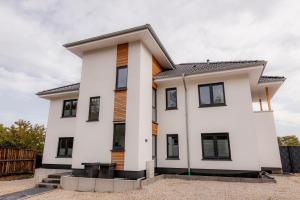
point(133, 105)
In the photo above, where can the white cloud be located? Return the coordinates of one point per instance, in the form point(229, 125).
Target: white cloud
point(32, 32)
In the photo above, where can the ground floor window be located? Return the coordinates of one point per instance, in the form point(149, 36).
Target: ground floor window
point(172, 146)
point(65, 147)
point(119, 136)
point(215, 146)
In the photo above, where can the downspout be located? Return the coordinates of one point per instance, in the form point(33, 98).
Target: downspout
point(186, 124)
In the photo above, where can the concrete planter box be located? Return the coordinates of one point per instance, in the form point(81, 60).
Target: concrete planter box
point(84, 184)
point(104, 185)
point(69, 183)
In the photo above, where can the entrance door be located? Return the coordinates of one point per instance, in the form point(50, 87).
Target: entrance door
point(154, 149)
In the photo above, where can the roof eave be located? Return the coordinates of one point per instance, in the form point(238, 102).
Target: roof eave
point(123, 32)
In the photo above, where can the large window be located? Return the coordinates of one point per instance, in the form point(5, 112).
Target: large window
point(65, 147)
point(171, 98)
point(69, 108)
point(121, 82)
point(94, 109)
point(154, 105)
point(119, 137)
point(211, 95)
point(215, 146)
point(172, 146)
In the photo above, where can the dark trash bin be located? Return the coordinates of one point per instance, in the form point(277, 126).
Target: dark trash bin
point(91, 170)
point(107, 170)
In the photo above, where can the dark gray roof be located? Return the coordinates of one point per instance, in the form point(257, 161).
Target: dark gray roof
point(188, 69)
point(205, 67)
point(66, 88)
point(268, 79)
point(117, 33)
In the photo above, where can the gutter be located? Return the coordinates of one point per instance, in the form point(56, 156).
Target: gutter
point(186, 124)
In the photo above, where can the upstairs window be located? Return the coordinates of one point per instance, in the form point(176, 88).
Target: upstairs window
point(65, 147)
point(211, 95)
point(215, 146)
point(69, 108)
point(119, 137)
point(172, 146)
point(154, 106)
point(121, 82)
point(171, 98)
point(94, 109)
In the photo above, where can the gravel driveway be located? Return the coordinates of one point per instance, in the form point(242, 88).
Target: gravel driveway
point(287, 187)
point(15, 186)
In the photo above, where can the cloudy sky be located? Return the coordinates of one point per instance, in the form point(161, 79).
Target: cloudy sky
point(32, 33)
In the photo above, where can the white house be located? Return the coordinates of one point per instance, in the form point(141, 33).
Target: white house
point(133, 105)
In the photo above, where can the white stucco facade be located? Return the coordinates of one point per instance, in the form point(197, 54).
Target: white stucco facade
point(236, 118)
point(252, 135)
point(57, 127)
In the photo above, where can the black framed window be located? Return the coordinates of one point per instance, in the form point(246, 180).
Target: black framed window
point(94, 109)
point(154, 105)
point(119, 137)
point(121, 81)
point(69, 108)
point(215, 146)
point(65, 147)
point(171, 98)
point(211, 95)
point(172, 146)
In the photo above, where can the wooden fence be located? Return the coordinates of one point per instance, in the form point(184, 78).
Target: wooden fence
point(16, 161)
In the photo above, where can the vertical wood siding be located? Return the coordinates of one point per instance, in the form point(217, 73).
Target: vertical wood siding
point(16, 161)
point(156, 68)
point(118, 158)
point(120, 104)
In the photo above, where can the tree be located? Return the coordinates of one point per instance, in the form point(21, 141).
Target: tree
point(22, 134)
point(290, 140)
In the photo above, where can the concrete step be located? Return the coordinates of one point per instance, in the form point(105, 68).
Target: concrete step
point(56, 176)
point(48, 185)
point(51, 180)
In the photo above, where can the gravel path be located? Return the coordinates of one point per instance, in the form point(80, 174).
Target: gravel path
point(15, 186)
point(287, 187)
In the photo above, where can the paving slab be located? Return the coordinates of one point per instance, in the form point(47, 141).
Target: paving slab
point(25, 193)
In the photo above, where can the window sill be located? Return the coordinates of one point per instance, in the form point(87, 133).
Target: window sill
point(212, 105)
point(172, 159)
point(217, 159)
point(94, 120)
point(63, 157)
point(68, 117)
point(171, 108)
point(117, 150)
point(120, 89)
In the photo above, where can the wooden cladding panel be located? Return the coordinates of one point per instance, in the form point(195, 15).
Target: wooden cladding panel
point(154, 128)
point(120, 105)
point(122, 55)
point(118, 158)
point(156, 68)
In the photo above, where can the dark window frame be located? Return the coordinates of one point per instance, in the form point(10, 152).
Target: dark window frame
point(155, 106)
point(212, 104)
point(117, 77)
point(167, 106)
point(66, 150)
point(89, 117)
point(63, 109)
point(113, 145)
point(216, 151)
point(168, 156)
